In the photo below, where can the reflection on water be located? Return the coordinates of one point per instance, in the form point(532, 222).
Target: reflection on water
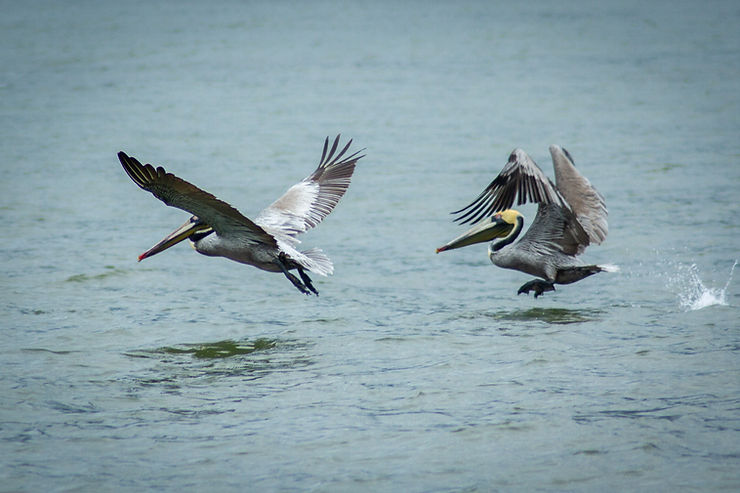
point(541, 314)
point(110, 271)
point(252, 359)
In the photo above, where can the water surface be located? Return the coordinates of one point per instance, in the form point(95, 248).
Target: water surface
point(412, 371)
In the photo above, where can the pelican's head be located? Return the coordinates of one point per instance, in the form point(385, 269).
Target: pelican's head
point(500, 225)
point(194, 229)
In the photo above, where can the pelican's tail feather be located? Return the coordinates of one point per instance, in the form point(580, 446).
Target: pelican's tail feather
point(318, 262)
point(568, 275)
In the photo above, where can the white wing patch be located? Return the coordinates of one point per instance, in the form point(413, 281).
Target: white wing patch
point(309, 201)
point(289, 214)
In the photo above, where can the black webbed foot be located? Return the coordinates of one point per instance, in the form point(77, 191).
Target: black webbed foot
point(298, 284)
point(282, 260)
point(537, 285)
point(307, 280)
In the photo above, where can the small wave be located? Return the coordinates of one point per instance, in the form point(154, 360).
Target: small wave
point(692, 293)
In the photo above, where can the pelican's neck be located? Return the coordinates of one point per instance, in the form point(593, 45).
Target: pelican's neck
point(508, 239)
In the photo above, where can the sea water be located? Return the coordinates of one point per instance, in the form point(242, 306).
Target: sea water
point(411, 371)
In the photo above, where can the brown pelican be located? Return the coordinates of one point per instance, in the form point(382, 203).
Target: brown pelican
point(570, 216)
point(269, 242)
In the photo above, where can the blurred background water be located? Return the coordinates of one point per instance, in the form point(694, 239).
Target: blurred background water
point(412, 371)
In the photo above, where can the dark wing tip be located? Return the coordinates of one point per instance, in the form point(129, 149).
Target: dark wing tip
point(141, 174)
point(330, 156)
point(125, 159)
point(326, 157)
point(323, 153)
point(501, 193)
point(332, 161)
point(565, 151)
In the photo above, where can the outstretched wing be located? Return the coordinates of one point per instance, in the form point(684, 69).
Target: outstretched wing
point(521, 180)
point(585, 201)
point(309, 201)
point(176, 192)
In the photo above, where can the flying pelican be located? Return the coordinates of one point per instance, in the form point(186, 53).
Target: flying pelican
point(570, 216)
point(269, 242)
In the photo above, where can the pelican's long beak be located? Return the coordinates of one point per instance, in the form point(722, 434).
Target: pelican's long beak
point(181, 233)
point(484, 231)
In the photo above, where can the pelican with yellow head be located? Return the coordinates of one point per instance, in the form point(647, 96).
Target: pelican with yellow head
point(571, 215)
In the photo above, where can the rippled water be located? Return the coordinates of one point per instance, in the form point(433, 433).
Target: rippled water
point(412, 371)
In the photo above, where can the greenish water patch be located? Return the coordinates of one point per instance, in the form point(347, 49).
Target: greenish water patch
point(209, 350)
point(556, 315)
point(551, 315)
point(221, 349)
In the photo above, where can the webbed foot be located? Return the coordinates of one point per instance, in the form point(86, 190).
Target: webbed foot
point(537, 285)
point(298, 284)
point(282, 261)
point(307, 281)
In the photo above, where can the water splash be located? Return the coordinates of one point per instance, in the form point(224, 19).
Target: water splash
point(691, 291)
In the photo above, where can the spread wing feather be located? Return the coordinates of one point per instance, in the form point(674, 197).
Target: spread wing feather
point(176, 192)
point(520, 180)
point(309, 201)
point(585, 201)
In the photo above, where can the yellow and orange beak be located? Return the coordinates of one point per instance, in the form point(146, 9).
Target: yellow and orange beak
point(487, 230)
